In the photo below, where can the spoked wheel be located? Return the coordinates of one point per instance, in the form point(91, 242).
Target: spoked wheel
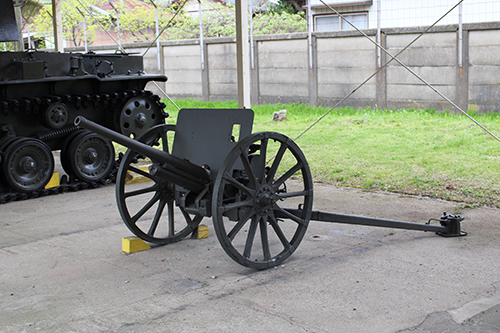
point(88, 157)
point(250, 200)
point(148, 208)
point(27, 165)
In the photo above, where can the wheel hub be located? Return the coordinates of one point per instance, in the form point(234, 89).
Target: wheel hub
point(27, 164)
point(56, 116)
point(140, 120)
point(91, 155)
point(264, 200)
point(138, 115)
point(167, 190)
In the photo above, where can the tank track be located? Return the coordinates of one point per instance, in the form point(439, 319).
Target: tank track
point(33, 106)
point(66, 185)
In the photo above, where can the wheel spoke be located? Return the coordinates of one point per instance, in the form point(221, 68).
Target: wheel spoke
point(248, 169)
point(170, 216)
point(276, 162)
point(279, 232)
point(144, 209)
point(237, 184)
point(264, 239)
point(287, 175)
point(251, 236)
point(243, 220)
point(286, 214)
point(187, 217)
point(237, 204)
point(156, 219)
point(144, 190)
point(261, 162)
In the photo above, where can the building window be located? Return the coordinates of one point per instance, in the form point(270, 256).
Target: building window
point(335, 23)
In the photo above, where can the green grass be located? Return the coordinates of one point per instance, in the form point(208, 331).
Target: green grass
point(419, 152)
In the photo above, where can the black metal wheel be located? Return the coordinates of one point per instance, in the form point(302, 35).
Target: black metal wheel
point(138, 115)
point(27, 165)
point(56, 116)
point(142, 204)
point(65, 157)
point(89, 157)
point(250, 200)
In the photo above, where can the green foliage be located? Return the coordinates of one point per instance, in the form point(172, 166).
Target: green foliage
point(140, 21)
point(219, 21)
point(283, 7)
point(29, 10)
point(72, 20)
point(138, 24)
point(264, 24)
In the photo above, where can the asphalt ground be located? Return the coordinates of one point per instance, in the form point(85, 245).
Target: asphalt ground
point(63, 270)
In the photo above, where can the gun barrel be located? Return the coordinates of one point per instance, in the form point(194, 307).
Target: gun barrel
point(156, 155)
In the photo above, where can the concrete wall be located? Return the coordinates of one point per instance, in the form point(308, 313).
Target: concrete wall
point(434, 58)
point(283, 74)
point(285, 69)
point(222, 75)
point(484, 70)
point(342, 64)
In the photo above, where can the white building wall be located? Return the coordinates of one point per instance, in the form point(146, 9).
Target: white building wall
point(411, 13)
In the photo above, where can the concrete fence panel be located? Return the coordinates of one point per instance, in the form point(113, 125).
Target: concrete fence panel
point(434, 58)
point(283, 71)
point(182, 67)
point(290, 68)
point(484, 70)
point(222, 72)
point(342, 64)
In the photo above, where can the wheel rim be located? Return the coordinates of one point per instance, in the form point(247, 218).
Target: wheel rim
point(28, 165)
point(65, 156)
point(250, 200)
point(56, 116)
point(142, 205)
point(138, 115)
point(92, 157)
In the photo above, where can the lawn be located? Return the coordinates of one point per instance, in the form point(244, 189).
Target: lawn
point(420, 152)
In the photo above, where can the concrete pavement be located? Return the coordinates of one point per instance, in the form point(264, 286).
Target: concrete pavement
point(62, 270)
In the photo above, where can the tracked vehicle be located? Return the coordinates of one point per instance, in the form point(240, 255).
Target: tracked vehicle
point(41, 94)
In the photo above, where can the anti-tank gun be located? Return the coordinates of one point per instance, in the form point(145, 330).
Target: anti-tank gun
point(257, 187)
point(41, 93)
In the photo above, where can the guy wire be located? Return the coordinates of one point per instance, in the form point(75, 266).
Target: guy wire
point(397, 60)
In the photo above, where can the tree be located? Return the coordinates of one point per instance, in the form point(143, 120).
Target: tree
point(220, 21)
point(287, 6)
point(137, 24)
point(140, 21)
point(73, 21)
point(267, 23)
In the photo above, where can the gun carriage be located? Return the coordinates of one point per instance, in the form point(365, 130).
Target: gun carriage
point(257, 187)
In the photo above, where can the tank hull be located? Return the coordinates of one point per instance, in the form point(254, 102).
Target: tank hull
point(41, 94)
